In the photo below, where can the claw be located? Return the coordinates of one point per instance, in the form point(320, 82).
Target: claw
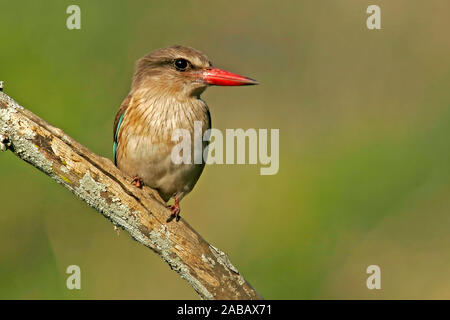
point(138, 182)
point(174, 211)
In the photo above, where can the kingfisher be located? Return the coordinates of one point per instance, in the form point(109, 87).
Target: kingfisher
point(164, 97)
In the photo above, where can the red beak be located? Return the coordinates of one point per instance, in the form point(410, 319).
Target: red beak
point(219, 77)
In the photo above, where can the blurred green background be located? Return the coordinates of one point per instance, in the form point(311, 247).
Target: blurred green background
point(364, 119)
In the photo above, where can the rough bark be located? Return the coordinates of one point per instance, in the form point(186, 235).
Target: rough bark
point(140, 212)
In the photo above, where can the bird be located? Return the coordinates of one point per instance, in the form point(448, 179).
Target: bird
point(165, 96)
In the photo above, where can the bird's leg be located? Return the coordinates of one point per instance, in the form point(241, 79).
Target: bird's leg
point(138, 182)
point(175, 210)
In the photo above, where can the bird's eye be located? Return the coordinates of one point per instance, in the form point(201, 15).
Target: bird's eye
point(181, 64)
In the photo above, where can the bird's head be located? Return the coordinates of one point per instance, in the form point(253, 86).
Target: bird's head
point(182, 72)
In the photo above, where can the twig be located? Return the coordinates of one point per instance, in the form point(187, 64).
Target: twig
point(140, 212)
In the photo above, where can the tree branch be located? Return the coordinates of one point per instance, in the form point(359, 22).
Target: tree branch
point(140, 212)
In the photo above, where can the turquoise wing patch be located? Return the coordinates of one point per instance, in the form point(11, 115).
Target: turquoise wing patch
point(116, 143)
point(114, 152)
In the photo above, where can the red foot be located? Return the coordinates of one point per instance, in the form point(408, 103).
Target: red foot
point(175, 211)
point(138, 182)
